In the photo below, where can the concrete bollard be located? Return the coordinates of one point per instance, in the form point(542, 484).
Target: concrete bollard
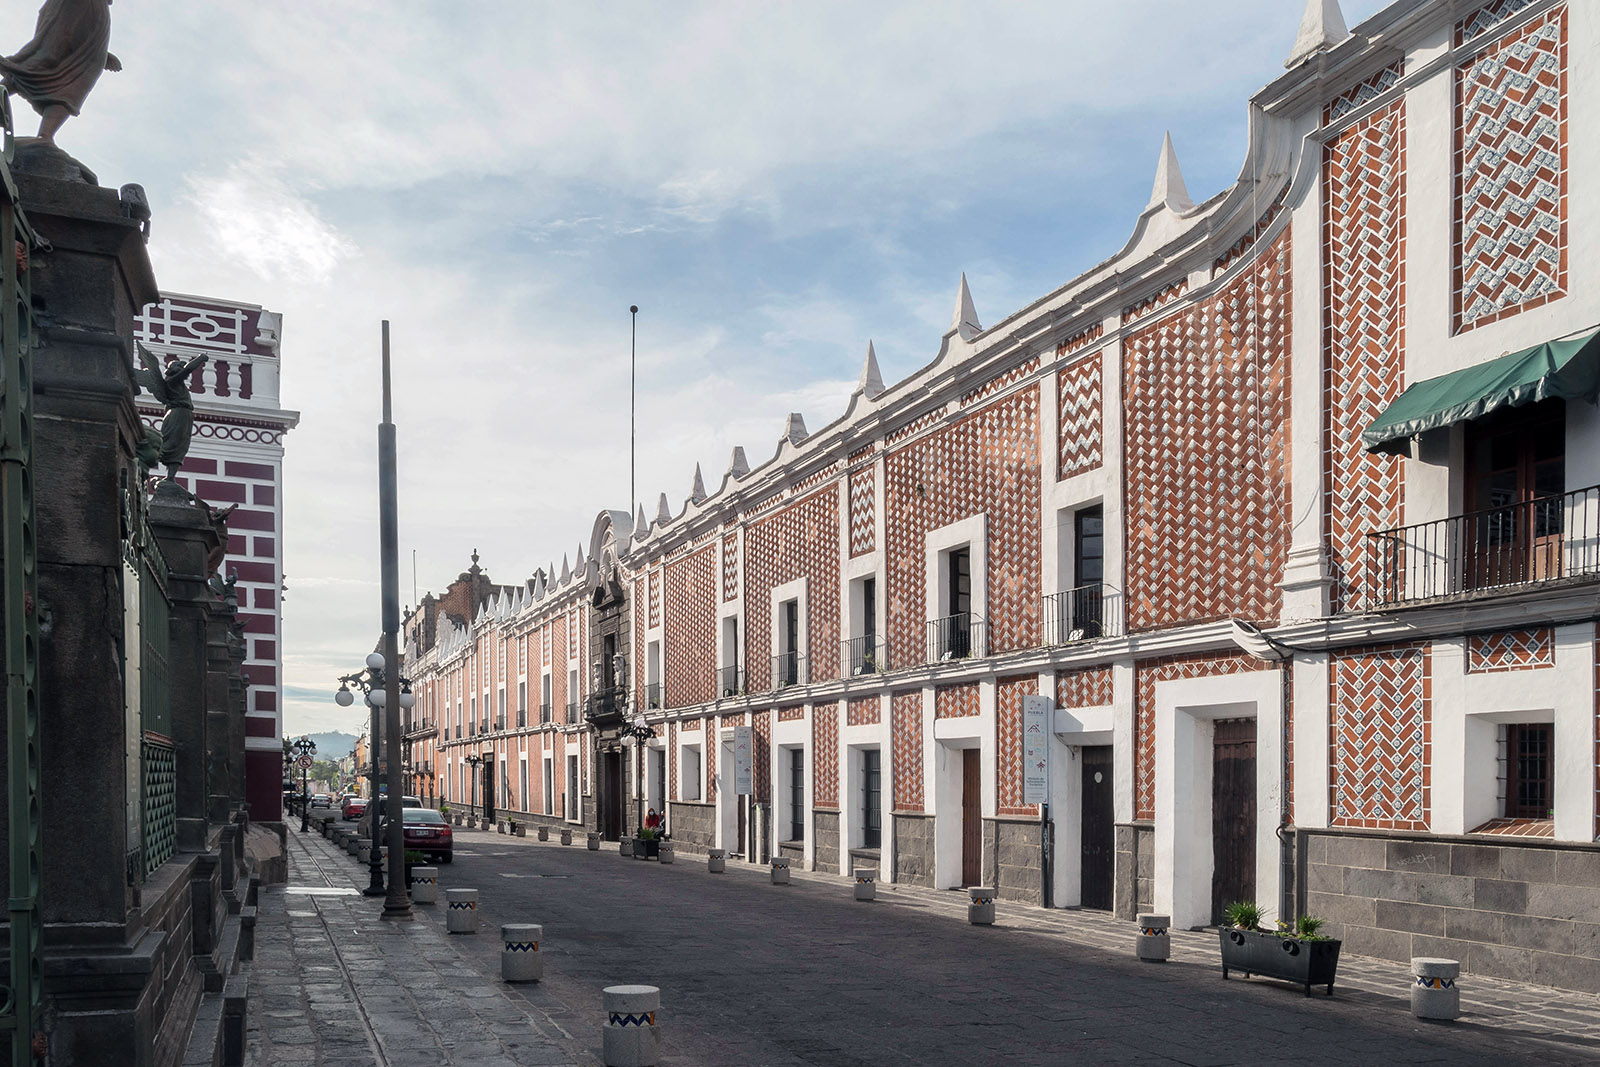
point(665, 852)
point(566, 835)
point(866, 883)
point(625, 846)
point(461, 915)
point(717, 860)
point(520, 960)
point(780, 870)
point(424, 885)
point(594, 841)
point(1434, 994)
point(354, 845)
point(980, 905)
point(630, 1037)
point(363, 853)
point(544, 833)
point(1154, 944)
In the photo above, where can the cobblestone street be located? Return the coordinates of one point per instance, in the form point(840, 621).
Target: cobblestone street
point(804, 975)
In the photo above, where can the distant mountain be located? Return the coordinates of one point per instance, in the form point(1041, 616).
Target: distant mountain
point(333, 745)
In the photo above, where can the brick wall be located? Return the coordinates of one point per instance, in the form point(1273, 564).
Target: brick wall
point(801, 540)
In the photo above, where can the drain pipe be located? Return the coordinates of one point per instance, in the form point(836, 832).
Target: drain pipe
point(1258, 645)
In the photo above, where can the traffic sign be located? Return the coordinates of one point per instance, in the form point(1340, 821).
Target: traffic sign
point(304, 763)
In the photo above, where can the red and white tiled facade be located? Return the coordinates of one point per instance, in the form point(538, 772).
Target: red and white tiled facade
point(1411, 204)
point(236, 461)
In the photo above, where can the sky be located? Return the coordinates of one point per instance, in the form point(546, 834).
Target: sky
point(774, 185)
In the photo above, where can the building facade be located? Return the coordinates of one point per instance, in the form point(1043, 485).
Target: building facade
point(236, 461)
point(1291, 508)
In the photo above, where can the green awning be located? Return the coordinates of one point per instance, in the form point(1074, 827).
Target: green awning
point(1569, 369)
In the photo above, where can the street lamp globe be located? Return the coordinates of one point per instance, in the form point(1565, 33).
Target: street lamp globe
point(344, 698)
point(377, 698)
point(408, 699)
point(375, 661)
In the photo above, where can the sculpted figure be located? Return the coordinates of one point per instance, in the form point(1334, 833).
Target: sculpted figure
point(55, 71)
point(171, 388)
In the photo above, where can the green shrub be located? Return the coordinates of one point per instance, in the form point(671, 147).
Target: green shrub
point(1243, 914)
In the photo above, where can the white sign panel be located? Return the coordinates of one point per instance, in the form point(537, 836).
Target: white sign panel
point(743, 743)
point(1036, 749)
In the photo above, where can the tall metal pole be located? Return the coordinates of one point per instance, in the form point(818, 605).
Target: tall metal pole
point(398, 904)
point(633, 378)
point(374, 859)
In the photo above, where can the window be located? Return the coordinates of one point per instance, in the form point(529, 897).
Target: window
point(690, 777)
point(730, 680)
point(522, 704)
point(546, 712)
point(786, 671)
point(797, 794)
point(522, 774)
point(1530, 770)
point(871, 799)
point(549, 786)
point(500, 709)
point(1515, 478)
point(952, 636)
point(652, 674)
point(572, 811)
point(864, 656)
point(1088, 569)
point(572, 696)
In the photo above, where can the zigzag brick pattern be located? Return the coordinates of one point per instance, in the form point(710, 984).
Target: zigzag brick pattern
point(800, 541)
point(672, 759)
point(988, 462)
point(907, 725)
point(1363, 92)
point(1249, 239)
point(1511, 174)
point(1084, 689)
point(793, 714)
point(863, 711)
point(863, 512)
point(761, 754)
point(1206, 396)
point(814, 479)
point(730, 568)
point(1079, 392)
point(1511, 650)
point(955, 701)
point(655, 599)
point(1008, 752)
point(1147, 675)
point(690, 632)
point(916, 426)
point(1380, 706)
point(1082, 340)
point(639, 598)
point(1160, 298)
point(712, 744)
point(825, 754)
point(1000, 382)
point(1364, 186)
point(1487, 17)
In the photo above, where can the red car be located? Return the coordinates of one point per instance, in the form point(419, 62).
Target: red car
point(426, 832)
point(353, 808)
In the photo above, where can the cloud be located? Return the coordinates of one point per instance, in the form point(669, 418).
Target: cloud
point(256, 219)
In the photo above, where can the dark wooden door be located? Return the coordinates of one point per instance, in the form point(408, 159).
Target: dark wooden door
point(1098, 831)
point(611, 796)
point(1233, 814)
point(971, 817)
point(488, 790)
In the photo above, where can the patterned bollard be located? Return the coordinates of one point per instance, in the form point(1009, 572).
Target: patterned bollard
point(866, 883)
point(625, 846)
point(717, 860)
point(544, 833)
point(363, 853)
point(1154, 944)
point(424, 885)
point(594, 841)
point(780, 870)
point(520, 960)
point(980, 905)
point(630, 1037)
point(566, 835)
point(666, 852)
point(461, 915)
point(1434, 994)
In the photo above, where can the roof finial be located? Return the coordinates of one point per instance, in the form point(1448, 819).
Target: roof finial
point(965, 319)
point(1321, 28)
point(738, 466)
point(1169, 190)
point(639, 525)
point(871, 385)
point(663, 510)
point(697, 492)
point(794, 429)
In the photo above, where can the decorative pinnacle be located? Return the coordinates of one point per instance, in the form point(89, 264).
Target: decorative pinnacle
point(965, 319)
point(1169, 190)
point(871, 384)
point(697, 492)
point(1321, 28)
point(738, 466)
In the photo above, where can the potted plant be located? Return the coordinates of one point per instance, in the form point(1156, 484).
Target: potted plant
point(413, 859)
point(1301, 953)
point(647, 844)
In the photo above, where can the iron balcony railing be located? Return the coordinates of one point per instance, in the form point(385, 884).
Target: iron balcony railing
point(1547, 539)
point(522, 718)
point(958, 636)
point(607, 704)
point(1080, 614)
point(788, 668)
point(572, 712)
point(472, 729)
point(547, 713)
point(652, 695)
point(865, 655)
point(499, 724)
point(730, 682)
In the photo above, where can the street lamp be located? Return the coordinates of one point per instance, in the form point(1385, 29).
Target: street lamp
point(475, 760)
point(303, 750)
point(373, 685)
point(641, 732)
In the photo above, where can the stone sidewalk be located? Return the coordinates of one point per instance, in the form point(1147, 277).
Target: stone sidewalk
point(333, 985)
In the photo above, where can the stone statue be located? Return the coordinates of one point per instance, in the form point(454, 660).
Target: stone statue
point(170, 387)
point(55, 71)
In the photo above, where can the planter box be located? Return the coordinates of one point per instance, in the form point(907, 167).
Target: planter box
point(1305, 963)
point(647, 850)
point(521, 831)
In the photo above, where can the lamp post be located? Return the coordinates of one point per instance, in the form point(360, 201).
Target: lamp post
point(303, 748)
point(475, 760)
point(373, 684)
point(641, 732)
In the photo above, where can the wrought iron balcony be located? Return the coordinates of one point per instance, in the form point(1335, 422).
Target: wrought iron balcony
point(788, 668)
point(865, 655)
point(572, 712)
point(499, 724)
point(1080, 614)
point(730, 682)
point(608, 705)
point(652, 695)
point(1537, 542)
point(958, 636)
point(522, 718)
point(546, 713)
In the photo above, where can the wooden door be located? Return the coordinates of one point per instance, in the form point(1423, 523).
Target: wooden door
point(1098, 828)
point(611, 796)
point(971, 816)
point(1516, 475)
point(488, 790)
point(1233, 814)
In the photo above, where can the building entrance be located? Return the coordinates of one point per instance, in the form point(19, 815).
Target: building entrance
point(971, 816)
point(1097, 829)
point(1233, 814)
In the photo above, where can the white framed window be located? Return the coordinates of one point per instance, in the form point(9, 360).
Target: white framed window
point(691, 777)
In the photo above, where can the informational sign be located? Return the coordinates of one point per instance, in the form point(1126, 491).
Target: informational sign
point(743, 743)
point(304, 763)
point(1036, 749)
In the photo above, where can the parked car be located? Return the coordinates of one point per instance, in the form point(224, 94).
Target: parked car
point(426, 831)
point(353, 808)
point(406, 802)
point(321, 800)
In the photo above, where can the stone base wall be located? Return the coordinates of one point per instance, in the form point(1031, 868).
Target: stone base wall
point(1523, 909)
point(826, 855)
point(1017, 861)
point(793, 851)
point(1134, 869)
point(693, 826)
point(913, 850)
